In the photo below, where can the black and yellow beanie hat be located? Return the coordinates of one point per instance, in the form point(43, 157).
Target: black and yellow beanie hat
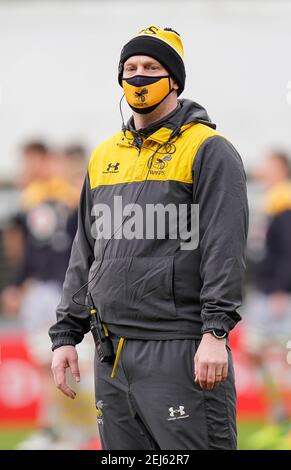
point(164, 45)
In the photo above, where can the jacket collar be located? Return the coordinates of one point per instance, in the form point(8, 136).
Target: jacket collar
point(187, 113)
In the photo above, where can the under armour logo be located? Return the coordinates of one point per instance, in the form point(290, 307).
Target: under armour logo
point(177, 413)
point(112, 167)
point(180, 411)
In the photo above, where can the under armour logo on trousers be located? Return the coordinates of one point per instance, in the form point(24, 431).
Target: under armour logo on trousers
point(177, 413)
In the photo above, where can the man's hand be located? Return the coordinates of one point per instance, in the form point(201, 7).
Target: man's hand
point(64, 357)
point(211, 362)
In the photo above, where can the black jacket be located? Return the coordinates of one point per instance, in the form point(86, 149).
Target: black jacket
point(150, 288)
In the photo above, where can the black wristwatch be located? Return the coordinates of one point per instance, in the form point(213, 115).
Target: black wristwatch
point(219, 334)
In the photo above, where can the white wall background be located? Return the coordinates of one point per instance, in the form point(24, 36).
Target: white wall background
point(58, 68)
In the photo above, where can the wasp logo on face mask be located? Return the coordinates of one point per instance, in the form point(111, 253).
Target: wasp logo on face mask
point(141, 95)
point(144, 93)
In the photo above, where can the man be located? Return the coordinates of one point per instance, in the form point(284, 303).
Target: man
point(168, 304)
point(268, 303)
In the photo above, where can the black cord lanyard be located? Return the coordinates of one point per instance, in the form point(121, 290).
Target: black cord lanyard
point(149, 165)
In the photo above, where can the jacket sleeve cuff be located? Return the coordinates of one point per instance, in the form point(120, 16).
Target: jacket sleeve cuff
point(224, 323)
point(63, 341)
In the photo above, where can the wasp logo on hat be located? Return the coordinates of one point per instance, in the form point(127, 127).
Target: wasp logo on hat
point(150, 30)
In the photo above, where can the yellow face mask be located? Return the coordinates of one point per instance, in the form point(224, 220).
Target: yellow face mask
point(144, 93)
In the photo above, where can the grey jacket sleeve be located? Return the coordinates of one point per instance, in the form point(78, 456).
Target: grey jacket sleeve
point(220, 190)
point(73, 320)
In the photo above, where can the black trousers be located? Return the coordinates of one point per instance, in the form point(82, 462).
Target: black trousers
point(153, 402)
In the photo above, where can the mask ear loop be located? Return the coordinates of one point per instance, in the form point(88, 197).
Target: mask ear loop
point(171, 89)
point(123, 126)
point(121, 113)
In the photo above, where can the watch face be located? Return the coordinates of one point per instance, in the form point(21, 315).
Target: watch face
point(219, 333)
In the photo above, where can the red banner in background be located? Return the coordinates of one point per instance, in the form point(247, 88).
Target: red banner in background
point(21, 386)
point(250, 385)
point(251, 402)
point(20, 383)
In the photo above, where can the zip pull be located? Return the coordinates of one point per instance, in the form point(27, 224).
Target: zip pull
point(138, 142)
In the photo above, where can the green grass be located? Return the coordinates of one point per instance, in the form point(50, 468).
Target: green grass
point(10, 437)
point(245, 429)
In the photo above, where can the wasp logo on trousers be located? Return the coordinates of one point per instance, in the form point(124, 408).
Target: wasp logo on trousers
point(99, 412)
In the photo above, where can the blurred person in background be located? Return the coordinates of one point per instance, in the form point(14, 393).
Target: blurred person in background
point(76, 157)
point(268, 304)
point(43, 232)
point(48, 201)
point(34, 156)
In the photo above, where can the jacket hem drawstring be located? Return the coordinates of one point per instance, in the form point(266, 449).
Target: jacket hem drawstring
point(118, 352)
